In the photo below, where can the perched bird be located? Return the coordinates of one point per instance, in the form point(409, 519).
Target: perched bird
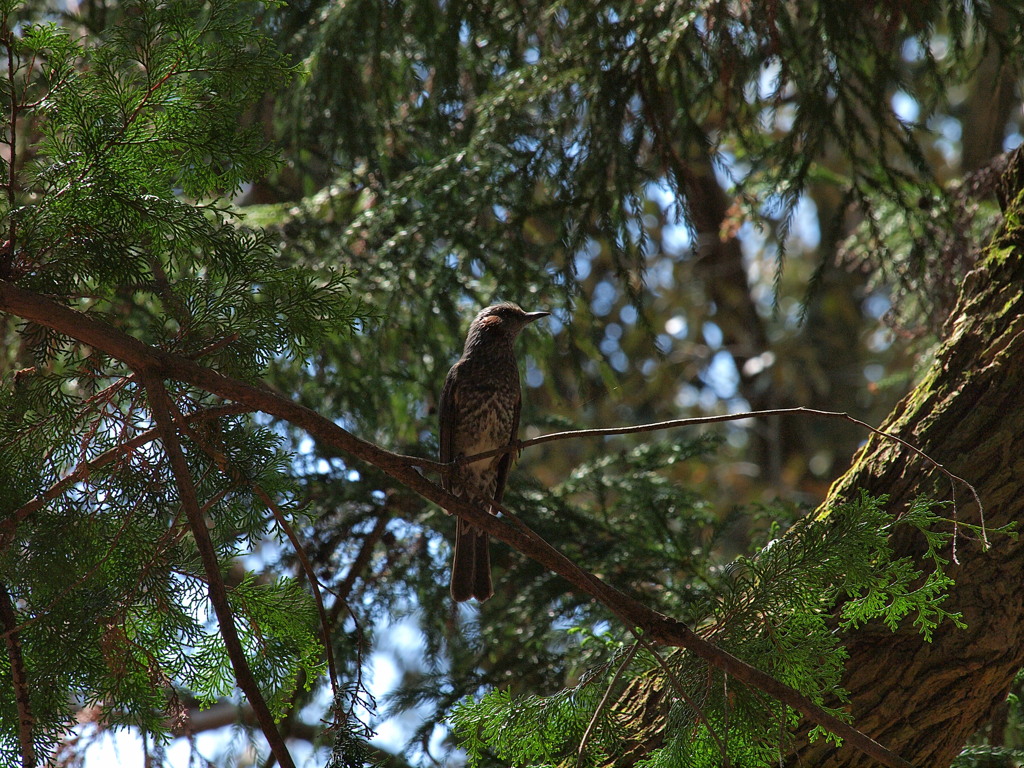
point(479, 412)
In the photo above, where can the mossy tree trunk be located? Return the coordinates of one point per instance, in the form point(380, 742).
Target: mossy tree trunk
point(924, 700)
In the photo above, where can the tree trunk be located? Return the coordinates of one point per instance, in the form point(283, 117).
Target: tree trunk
point(924, 700)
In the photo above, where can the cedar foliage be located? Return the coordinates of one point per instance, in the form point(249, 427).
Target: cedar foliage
point(773, 608)
point(117, 207)
point(437, 156)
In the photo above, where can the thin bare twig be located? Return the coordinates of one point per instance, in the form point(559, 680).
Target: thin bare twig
point(604, 701)
point(314, 583)
point(678, 687)
point(520, 445)
point(344, 590)
point(325, 627)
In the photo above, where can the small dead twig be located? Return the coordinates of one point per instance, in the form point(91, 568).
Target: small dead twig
point(677, 686)
point(314, 583)
point(604, 701)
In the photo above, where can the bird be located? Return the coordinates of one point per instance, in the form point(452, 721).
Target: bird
point(479, 411)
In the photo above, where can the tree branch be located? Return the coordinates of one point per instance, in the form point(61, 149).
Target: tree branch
point(655, 626)
point(26, 721)
point(222, 463)
point(521, 445)
point(581, 750)
point(162, 408)
point(86, 468)
point(314, 585)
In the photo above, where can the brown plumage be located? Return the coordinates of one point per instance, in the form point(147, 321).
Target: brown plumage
point(479, 412)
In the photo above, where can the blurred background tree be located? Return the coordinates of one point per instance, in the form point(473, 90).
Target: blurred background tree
point(726, 206)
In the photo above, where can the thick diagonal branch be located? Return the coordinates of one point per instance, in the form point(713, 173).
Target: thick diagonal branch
point(656, 626)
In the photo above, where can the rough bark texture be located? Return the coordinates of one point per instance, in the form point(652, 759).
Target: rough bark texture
point(921, 700)
point(925, 700)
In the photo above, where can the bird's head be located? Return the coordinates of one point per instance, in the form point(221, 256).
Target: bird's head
point(506, 319)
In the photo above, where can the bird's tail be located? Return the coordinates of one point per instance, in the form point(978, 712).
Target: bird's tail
point(471, 565)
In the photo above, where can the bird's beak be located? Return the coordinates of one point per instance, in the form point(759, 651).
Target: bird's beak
point(531, 316)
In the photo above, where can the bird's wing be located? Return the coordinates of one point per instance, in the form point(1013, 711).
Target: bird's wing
point(505, 463)
point(446, 415)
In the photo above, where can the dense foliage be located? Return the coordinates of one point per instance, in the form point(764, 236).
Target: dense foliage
point(318, 196)
point(102, 213)
point(774, 607)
